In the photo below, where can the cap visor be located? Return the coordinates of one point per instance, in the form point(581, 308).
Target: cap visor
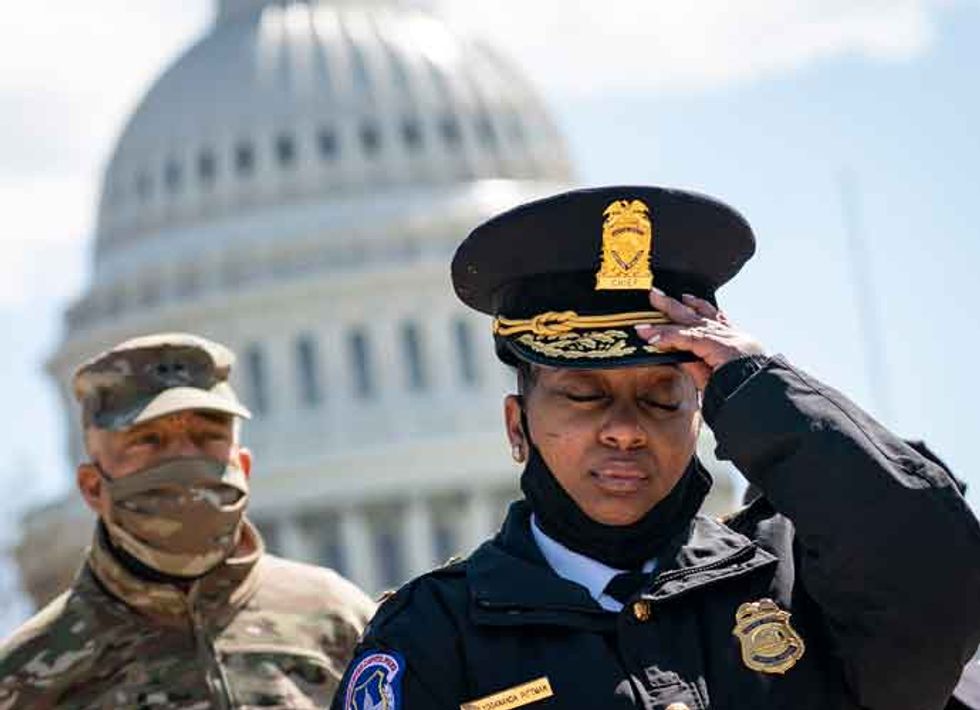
point(182, 399)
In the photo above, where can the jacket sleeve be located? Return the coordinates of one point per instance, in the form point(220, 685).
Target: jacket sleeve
point(887, 546)
point(408, 659)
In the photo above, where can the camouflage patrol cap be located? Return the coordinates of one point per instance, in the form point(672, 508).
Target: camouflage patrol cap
point(147, 377)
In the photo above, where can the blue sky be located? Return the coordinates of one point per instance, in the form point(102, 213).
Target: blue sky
point(765, 105)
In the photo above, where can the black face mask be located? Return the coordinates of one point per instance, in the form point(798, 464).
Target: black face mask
point(619, 546)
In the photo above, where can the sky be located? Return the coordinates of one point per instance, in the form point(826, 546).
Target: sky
point(788, 110)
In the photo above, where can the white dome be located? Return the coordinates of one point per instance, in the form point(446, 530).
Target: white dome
point(284, 102)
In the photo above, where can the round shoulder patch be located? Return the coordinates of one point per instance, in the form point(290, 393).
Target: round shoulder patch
point(375, 681)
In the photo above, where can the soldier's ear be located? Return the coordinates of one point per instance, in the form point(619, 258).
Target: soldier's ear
point(90, 486)
point(244, 456)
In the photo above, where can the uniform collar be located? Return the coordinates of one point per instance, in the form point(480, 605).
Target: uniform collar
point(224, 589)
point(576, 567)
point(510, 573)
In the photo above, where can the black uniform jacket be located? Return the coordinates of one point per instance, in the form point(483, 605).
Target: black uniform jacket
point(867, 545)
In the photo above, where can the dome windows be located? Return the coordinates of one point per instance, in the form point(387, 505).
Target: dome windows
point(370, 139)
point(244, 158)
point(411, 134)
point(326, 143)
point(285, 150)
point(207, 166)
point(172, 175)
point(449, 130)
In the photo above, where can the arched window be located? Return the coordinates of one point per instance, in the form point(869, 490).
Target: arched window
point(285, 150)
point(370, 139)
point(206, 166)
point(412, 134)
point(257, 380)
point(326, 143)
point(388, 551)
point(308, 371)
point(416, 373)
point(465, 353)
point(449, 128)
point(244, 158)
point(359, 348)
point(172, 175)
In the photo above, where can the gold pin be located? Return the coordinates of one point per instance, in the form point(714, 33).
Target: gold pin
point(627, 241)
point(769, 643)
point(642, 610)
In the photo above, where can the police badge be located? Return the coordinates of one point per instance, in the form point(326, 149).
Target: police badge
point(626, 242)
point(769, 643)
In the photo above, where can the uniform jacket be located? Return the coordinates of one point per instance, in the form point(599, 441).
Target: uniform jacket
point(868, 547)
point(259, 631)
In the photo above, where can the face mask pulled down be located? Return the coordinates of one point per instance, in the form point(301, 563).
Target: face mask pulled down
point(181, 517)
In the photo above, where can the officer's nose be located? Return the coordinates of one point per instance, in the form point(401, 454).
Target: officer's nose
point(621, 428)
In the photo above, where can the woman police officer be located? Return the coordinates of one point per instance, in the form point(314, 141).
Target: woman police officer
point(853, 582)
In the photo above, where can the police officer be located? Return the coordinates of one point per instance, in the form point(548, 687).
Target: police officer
point(854, 582)
point(178, 604)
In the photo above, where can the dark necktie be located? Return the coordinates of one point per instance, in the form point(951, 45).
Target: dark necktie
point(625, 584)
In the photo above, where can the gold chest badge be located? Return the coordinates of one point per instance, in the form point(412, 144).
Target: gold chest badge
point(769, 643)
point(627, 237)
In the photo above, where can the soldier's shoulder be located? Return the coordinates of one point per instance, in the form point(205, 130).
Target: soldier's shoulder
point(58, 642)
point(302, 586)
point(39, 626)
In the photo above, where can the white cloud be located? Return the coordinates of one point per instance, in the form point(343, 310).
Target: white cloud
point(590, 47)
point(70, 73)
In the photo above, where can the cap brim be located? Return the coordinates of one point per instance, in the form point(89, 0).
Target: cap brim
point(587, 350)
point(182, 399)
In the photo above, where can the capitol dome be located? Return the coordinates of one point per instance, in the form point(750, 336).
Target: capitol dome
point(285, 102)
point(294, 187)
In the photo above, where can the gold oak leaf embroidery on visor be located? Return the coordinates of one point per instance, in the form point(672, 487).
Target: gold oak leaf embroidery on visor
point(597, 344)
point(516, 697)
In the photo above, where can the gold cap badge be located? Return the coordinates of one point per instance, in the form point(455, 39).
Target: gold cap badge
point(627, 237)
point(769, 643)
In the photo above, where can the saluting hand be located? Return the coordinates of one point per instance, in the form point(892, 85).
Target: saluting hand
point(699, 328)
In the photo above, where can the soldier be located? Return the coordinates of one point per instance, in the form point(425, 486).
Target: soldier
point(854, 582)
point(178, 604)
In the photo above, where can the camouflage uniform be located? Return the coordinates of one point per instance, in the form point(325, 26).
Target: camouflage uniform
point(177, 605)
point(258, 631)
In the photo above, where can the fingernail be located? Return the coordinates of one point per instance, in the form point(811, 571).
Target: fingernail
point(657, 291)
point(654, 339)
point(687, 297)
point(643, 328)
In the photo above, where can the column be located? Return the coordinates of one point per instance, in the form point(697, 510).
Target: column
point(294, 541)
point(355, 536)
point(417, 536)
point(480, 521)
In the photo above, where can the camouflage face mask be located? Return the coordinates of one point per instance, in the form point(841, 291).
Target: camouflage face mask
point(181, 517)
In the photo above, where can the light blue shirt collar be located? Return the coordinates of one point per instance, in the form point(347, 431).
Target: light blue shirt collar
point(582, 570)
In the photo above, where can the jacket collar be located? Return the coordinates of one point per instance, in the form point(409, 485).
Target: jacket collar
point(224, 589)
point(511, 583)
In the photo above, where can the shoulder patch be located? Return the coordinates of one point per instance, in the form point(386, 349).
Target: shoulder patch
point(375, 681)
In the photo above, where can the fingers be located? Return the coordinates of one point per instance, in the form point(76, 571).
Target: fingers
point(673, 309)
point(702, 307)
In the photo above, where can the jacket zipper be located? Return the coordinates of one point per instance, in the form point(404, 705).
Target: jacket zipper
point(214, 673)
point(671, 575)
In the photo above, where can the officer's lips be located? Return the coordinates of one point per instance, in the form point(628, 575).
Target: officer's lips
point(622, 476)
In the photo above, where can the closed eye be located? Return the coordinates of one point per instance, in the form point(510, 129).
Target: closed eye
point(585, 398)
point(670, 407)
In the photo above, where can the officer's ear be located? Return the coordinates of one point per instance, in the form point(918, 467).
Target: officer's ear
point(514, 424)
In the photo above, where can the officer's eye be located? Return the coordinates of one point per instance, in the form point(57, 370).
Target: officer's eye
point(656, 404)
point(585, 397)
